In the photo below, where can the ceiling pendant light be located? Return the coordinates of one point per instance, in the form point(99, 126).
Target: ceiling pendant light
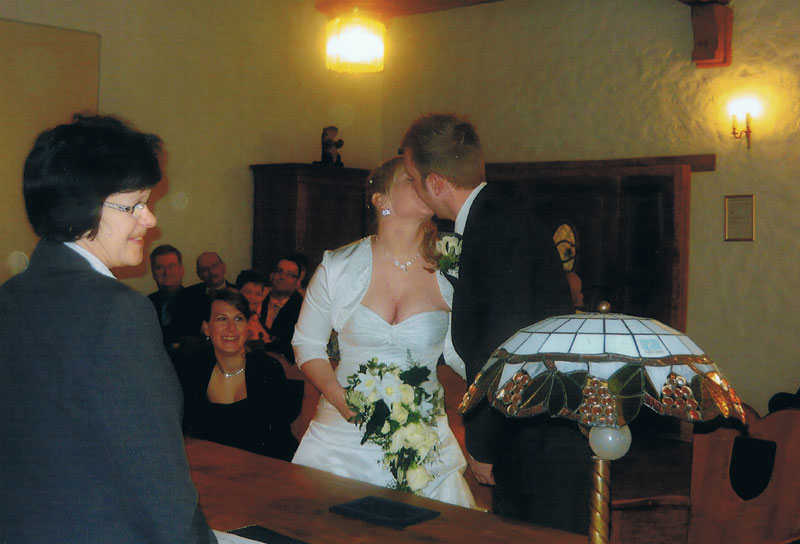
point(355, 43)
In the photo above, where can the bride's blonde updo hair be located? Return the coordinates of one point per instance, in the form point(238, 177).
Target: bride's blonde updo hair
point(380, 181)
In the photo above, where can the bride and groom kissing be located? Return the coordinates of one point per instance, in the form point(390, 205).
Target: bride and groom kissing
point(381, 305)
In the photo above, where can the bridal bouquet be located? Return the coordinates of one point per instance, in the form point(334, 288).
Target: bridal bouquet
point(397, 410)
point(449, 248)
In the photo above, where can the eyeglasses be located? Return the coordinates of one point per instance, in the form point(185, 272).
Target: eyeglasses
point(135, 210)
point(281, 271)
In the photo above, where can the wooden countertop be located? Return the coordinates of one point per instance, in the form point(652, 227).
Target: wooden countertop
point(239, 488)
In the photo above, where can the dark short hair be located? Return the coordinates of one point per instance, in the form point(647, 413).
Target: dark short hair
point(251, 276)
point(74, 167)
point(164, 249)
point(234, 298)
point(300, 260)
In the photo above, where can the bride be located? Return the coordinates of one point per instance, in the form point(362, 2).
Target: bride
point(385, 300)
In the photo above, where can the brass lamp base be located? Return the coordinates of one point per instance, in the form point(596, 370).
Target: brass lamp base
point(600, 501)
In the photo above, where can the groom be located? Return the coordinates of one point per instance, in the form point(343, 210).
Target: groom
point(509, 277)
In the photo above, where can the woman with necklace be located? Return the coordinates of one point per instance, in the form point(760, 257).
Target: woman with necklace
point(386, 300)
point(237, 398)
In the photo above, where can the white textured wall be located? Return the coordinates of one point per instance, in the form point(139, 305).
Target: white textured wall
point(230, 83)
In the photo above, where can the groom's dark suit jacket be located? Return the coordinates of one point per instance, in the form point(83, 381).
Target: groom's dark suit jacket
point(510, 276)
point(91, 448)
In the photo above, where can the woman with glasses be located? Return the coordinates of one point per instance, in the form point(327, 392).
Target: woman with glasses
point(235, 397)
point(91, 444)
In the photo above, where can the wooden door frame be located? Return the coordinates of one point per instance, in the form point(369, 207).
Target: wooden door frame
point(680, 167)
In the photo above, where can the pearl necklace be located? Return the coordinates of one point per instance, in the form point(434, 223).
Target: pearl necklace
point(402, 266)
point(230, 374)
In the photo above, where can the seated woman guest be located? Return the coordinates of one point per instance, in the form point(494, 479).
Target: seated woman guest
point(90, 437)
point(237, 398)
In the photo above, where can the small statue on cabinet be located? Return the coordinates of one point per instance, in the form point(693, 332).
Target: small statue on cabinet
point(331, 143)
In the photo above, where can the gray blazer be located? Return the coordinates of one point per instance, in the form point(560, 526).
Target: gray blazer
point(90, 412)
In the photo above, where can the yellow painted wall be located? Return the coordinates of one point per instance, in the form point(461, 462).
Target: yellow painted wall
point(46, 75)
point(227, 84)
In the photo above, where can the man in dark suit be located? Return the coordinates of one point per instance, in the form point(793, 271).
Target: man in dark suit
point(281, 308)
point(509, 277)
point(166, 265)
point(211, 270)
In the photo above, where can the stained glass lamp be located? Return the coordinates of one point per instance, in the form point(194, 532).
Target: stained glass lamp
point(599, 369)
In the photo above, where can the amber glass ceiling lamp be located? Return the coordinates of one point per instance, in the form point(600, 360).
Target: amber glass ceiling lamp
point(354, 36)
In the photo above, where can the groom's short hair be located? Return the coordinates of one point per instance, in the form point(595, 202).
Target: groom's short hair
point(446, 144)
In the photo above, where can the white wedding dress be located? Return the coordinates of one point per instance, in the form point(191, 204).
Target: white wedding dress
point(333, 444)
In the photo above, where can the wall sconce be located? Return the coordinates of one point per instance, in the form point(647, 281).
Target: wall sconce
point(354, 38)
point(747, 107)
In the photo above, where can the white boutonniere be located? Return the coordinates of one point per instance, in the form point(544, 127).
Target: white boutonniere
point(449, 248)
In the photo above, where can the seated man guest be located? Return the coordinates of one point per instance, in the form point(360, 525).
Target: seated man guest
point(281, 308)
point(234, 397)
point(302, 262)
point(166, 265)
point(211, 270)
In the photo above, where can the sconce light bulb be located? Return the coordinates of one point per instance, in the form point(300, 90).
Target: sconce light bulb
point(746, 105)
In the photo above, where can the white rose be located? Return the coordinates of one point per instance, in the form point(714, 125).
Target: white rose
point(417, 478)
point(386, 427)
point(407, 394)
point(399, 440)
point(399, 413)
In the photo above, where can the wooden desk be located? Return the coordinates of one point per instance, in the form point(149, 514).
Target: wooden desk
point(239, 488)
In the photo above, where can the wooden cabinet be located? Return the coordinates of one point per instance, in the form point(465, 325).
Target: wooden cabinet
point(303, 208)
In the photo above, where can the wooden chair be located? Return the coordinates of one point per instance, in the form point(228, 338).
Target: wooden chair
point(718, 513)
point(724, 461)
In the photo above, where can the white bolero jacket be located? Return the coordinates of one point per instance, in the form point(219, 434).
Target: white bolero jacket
point(335, 291)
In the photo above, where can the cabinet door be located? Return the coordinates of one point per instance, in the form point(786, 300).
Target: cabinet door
point(330, 213)
point(300, 208)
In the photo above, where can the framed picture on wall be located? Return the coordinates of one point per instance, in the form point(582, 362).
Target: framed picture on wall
point(739, 218)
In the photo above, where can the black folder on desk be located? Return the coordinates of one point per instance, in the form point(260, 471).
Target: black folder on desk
point(262, 534)
point(384, 512)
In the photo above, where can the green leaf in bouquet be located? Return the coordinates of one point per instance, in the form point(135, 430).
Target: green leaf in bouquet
point(415, 375)
point(375, 423)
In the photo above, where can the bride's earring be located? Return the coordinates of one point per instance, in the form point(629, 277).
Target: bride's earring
point(386, 211)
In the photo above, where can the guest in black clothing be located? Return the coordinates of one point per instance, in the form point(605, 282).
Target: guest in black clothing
point(211, 270)
point(166, 265)
point(253, 285)
point(302, 262)
point(281, 308)
point(236, 398)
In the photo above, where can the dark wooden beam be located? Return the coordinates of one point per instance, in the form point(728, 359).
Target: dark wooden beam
point(698, 163)
point(393, 8)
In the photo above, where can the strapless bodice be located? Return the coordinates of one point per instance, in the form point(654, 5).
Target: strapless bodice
point(366, 335)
